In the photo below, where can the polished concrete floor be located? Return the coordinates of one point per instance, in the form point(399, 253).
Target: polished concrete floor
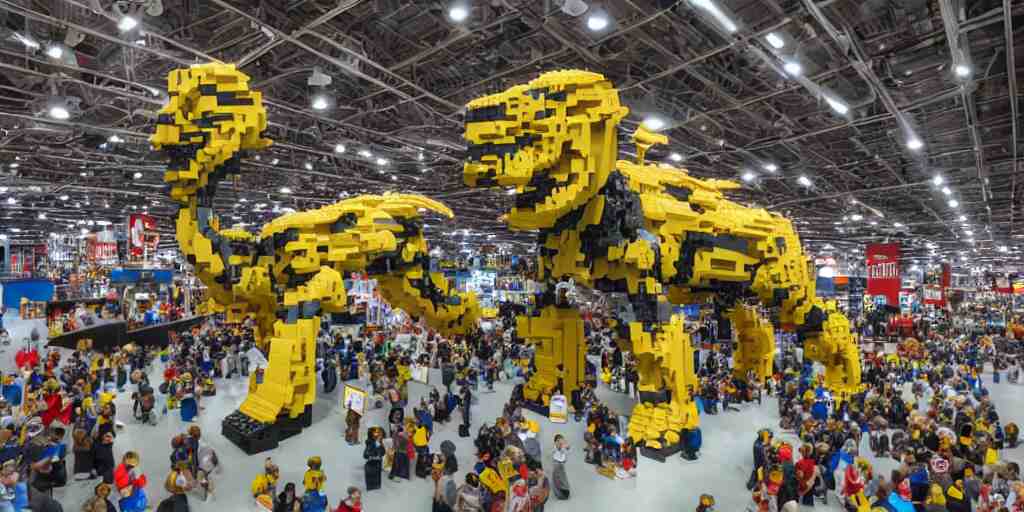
point(675, 485)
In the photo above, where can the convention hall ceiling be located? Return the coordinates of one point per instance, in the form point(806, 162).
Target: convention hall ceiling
point(861, 119)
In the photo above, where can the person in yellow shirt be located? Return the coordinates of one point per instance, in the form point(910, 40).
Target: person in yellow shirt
point(265, 483)
point(314, 477)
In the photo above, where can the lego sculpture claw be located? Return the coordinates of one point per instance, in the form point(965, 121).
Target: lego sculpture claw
point(293, 271)
point(649, 237)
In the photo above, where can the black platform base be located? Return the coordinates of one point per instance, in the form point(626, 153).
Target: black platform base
point(254, 437)
point(661, 454)
point(536, 407)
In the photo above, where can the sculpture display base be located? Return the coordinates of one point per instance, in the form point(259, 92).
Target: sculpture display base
point(255, 437)
point(536, 407)
point(661, 454)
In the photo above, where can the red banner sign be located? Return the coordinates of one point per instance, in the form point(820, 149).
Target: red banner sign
point(884, 271)
point(141, 231)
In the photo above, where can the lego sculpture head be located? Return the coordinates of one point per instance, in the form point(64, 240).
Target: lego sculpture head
point(211, 116)
point(553, 139)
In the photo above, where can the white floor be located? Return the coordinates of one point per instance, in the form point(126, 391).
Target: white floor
point(675, 485)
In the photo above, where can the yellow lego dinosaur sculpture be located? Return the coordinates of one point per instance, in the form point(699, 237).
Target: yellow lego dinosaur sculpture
point(649, 236)
point(292, 272)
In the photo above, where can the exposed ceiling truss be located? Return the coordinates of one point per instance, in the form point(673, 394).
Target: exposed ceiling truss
point(401, 70)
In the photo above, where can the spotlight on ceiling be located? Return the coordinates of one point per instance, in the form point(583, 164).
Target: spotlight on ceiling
point(775, 40)
point(458, 12)
point(771, 167)
point(804, 180)
point(856, 217)
point(946, 191)
point(382, 161)
point(41, 216)
point(320, 102)
point(597, 21)
point(937, 180)
point(953, 203)
point(717, 13)
point(54, 51)
point(127, 23)
point(365, 153)
point(838, 106)
point(914, 144)
point(897, 225)
point(676, 157)
point(59, 112)
point(340, 148)
point(308, 166)
point(64, 197)
point(137, 175)
point(962, 70)
point(654, 123)
point(748, 176)
point(285, 190)
point(793, 68)
point(574, 7)
point(963, 218)
point(115, 139)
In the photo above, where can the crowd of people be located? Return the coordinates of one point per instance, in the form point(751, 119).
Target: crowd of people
point(931, 414)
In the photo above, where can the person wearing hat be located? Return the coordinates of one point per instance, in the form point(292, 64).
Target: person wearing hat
point(178, 483)
point(706, 503)
point(130, 487)
point(314, 499)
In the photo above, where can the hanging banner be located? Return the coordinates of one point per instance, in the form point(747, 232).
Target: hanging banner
point(141, 229)
point(883, 263)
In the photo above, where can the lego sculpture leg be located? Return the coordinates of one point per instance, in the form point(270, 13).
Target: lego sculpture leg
point(666, 412)
point(559, 353)
point(835, 348)
point(755, 346)
point(281, 405)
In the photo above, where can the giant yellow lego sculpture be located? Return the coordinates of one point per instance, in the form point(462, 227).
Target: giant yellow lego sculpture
point(651, 237)
point(291, 273)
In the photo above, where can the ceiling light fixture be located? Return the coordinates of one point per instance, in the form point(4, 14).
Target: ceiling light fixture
point(953, 203)
point(654, 123)
point(838, 106)
point(26, 40)
point(137, 175)
point(127, 23)
point(962, 70)
point(64, 197)
point(771, 167)
point(115, 139)
point(748, 176)
point(897, 225)
point(41, 216)
point(804, 180)
point(969, 232)
point(54, 51)
point(963, 218)
point(597, 21)
point(676, 157)
point(914, 144)
point(11, 200)
point(793, 68)
point(59, 112)
point(340, 148)
point(275, 161)
point(856, 217)
point(774, 40)
point(458, 13)
point(717, 14)
point(14, 165)
point(937, 180)
point(382, 161)
point(308, 166)
point(320, 102)
point(285, 190)
point(946, 190)
point(365, 153)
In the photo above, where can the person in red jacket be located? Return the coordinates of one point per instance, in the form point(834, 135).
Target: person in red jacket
point(58, 407)
point(353, 503)
point(130, 486)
